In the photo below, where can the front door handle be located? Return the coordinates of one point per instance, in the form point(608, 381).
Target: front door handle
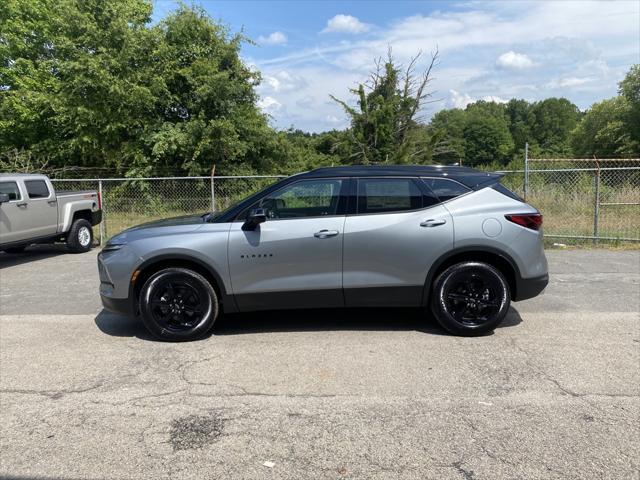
point(23, 204)
point(51, 202)
point(326, 233)
point(433, 223)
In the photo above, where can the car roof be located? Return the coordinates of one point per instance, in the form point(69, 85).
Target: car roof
point(21, 175)
point(470, 177)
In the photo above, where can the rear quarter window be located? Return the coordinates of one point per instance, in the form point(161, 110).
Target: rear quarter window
point(445, 189)
point(498, 187)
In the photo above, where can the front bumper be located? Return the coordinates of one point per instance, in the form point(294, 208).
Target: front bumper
point(116, 300)
point(121, 306)
point(530, 287)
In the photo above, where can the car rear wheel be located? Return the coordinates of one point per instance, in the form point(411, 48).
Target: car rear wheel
point(470, 298)
point(80, 237)
point(177, 304)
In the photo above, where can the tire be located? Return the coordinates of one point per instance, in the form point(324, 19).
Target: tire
point(178, 305)
point(15, 249)
point(80, 236)
point(470, 298)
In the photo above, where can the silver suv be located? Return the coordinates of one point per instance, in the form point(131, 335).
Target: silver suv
point(450, 238)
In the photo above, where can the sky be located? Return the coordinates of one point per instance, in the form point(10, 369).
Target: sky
point(307, 50)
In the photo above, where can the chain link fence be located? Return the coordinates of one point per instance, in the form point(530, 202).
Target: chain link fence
point(131, 201)
point(586, 199)
point(580, 201)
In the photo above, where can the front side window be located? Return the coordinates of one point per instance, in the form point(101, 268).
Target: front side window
point(11, 189)
point(383, 195)
point(37, 188)
point(445, 189)
point(307, 198)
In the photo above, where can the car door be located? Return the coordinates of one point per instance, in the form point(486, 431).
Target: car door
point(12, 216)
point(294, 259)
point(397, 230)
point(41, 211)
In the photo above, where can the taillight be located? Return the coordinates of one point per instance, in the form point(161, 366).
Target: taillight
point(527, 220)
point(99, 201)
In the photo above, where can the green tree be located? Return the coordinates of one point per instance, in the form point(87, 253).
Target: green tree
point(554, 119)
point(486, 135)
point(94, 83)
point(452, 122)
point(612, 127)
point(629, 89)
point(521, 121)
point(384, 125)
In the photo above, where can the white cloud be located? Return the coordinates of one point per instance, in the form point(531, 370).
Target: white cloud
point(458, 100)
point(269, 104)
point(345, 24)
point(514, 60)
point(568, 82)
point(583, 48)
point(494, 98)
point(275, 38)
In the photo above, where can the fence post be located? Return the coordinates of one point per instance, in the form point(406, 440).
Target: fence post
point(103, 222)
point(596, 203)
point(213, 191)
point(526, 169)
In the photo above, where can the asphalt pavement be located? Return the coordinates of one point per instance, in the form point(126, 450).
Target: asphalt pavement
point(553, 393)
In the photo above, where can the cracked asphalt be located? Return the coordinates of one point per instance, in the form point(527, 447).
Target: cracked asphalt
point(553, 393)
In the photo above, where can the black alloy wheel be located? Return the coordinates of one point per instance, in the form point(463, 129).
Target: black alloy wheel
point(178, 304)
point(470, 298)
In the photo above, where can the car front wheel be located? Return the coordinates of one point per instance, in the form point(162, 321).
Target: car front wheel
point(178, 304)
point(470, 298)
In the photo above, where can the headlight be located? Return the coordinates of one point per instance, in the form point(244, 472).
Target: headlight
point(112, 247)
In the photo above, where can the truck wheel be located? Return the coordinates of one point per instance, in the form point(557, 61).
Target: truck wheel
point(15, 249)
point(470, 298)
point(80, 236)
point(178, 305)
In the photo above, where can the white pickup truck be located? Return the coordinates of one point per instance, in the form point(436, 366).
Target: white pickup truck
point(31, 211)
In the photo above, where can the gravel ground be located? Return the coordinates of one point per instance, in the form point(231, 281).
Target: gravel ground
point(553, 393)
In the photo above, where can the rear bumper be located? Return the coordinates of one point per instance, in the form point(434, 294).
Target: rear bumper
point(530, 287)
point(96, 217)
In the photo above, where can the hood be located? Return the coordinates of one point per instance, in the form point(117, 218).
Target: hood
point(171, 222)
point(167, 226)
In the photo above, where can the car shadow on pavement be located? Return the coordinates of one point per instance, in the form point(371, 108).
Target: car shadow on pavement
point(120, 326)
point(32, 254)
point(379, 319)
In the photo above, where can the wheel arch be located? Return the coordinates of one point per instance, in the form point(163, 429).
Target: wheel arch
point(84, 214)
point(503, 262)
point(155, 264)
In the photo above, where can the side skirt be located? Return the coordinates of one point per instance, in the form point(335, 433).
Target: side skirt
point(331, 298)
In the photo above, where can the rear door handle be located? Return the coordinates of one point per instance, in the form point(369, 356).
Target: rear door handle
point(326, 233)
point(51, 202)
point(433, 223)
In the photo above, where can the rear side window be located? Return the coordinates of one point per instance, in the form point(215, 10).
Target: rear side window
point(380, 195)
point(445, 189)
point(11, 189)
point(505, 191)
point(37, 188)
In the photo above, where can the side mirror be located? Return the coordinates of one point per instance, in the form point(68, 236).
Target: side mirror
point(255, 218)
point(4, 197)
